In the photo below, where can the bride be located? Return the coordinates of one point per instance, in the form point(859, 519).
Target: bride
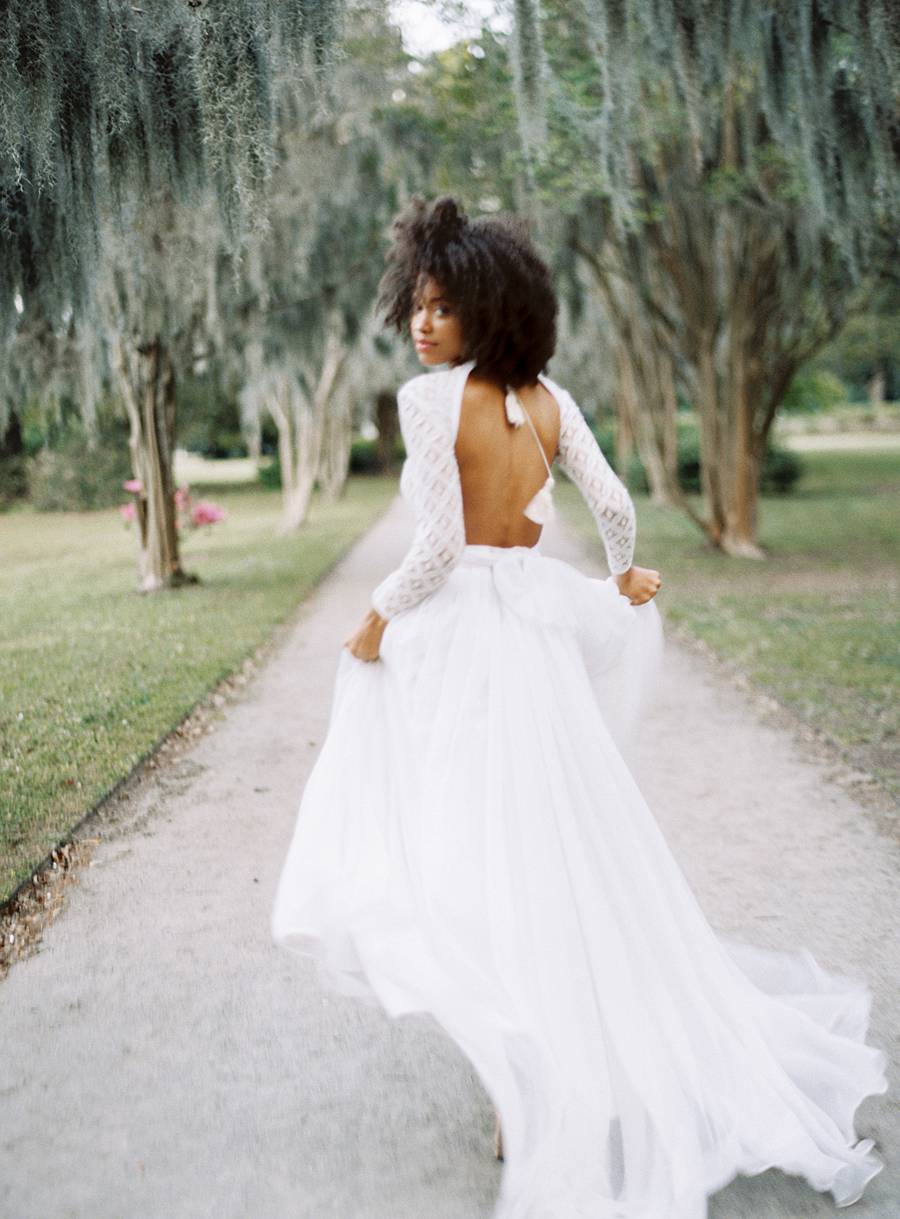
point(471, 842)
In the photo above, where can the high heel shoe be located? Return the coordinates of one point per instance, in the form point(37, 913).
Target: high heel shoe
point(498, 1137)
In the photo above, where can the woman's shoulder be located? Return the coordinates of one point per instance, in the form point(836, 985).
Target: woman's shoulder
point(415, 387)
point(564, 398)
point(428, 384)
point(553, 385)
point(430, 393)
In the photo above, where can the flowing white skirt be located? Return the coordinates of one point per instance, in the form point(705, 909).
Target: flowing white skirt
point(471, 843)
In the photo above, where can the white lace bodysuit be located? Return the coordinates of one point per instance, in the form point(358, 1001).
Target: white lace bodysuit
point(429, 407)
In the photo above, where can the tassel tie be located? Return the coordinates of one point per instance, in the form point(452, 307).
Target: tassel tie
point(540, 507)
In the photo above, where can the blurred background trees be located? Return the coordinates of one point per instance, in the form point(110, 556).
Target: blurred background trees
point(735, 199)
point(196, 203)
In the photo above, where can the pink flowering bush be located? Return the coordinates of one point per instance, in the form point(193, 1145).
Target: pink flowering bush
point(129, 510)
point(206, 513)
point(187, 513)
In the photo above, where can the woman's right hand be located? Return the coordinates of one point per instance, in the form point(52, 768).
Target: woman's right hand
point(639, 584)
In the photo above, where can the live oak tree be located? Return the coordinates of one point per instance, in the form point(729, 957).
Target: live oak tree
point(110, 111)
point(732, 177)
point(152, 286)
point(295, 324)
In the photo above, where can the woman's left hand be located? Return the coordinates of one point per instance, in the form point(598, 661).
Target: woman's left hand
point(365, 642)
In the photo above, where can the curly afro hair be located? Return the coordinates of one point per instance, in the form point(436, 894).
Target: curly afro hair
point(490, 271)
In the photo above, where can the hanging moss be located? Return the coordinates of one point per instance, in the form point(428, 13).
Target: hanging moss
point(823, 76)
point(529, 69)
point(103, 102)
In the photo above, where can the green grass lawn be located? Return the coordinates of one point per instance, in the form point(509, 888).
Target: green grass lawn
point(93, 674)
point(816, 624)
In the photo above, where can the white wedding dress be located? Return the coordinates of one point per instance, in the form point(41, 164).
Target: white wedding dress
point(471, 843)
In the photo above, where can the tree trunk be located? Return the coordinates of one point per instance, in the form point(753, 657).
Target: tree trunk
point(876, 388)
point(13, 469)
point(337, 435)
point(626, 408)
point(652, 392)
point(741, 489)
point(310, 445)
point(388, 423)
point(645, 397)
point(302, 424)
point(299, 446)
point(146, 378)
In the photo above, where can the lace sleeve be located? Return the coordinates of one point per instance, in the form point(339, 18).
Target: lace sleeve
point(430, 481)
point(581, 457)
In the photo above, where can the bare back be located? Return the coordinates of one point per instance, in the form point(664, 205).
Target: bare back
point(500, 468)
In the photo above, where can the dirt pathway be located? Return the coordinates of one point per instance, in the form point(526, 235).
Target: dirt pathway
point(163, 1060)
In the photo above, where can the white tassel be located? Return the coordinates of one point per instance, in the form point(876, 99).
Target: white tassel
point(514, 411)
point(540, 507)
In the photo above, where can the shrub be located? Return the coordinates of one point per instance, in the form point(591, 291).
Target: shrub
point(364, 456)
point(270, 475)
point(208, 419)
point(815, 390)
point(363, 460)
point(74, 475)
point(13, 478)
point(13, 473)
point(780, 470)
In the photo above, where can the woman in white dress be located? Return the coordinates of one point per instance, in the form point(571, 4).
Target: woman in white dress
point(471, 842)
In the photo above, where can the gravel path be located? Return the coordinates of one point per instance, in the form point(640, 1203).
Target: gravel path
point(163, 1060)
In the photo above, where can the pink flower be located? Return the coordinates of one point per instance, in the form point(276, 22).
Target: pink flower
point(182, 497)
point(128, 510)
point(206, 513)
point(133, 484)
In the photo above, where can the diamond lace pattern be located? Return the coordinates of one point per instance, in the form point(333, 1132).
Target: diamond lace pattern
point(430, 483)
point(581, 457)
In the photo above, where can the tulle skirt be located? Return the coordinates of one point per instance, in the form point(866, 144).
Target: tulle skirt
point(471, 843)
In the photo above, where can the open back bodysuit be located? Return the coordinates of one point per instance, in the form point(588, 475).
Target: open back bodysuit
point(429, 408)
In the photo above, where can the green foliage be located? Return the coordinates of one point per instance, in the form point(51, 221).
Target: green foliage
point(363, 460)
point(102, 103)
point(814, 389)
point(269, 474)
point(605, 434)
point(781, 468)
point(13, 479)
point(811, 86)
point(81, 470)
point(209, 420)
point(13, 473)
point(364, 456)
point(869, 344)
point(455, 128)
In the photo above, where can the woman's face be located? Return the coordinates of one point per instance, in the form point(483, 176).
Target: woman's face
point(435, 326)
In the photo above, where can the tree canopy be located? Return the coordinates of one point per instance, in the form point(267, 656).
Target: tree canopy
point(100, 101)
